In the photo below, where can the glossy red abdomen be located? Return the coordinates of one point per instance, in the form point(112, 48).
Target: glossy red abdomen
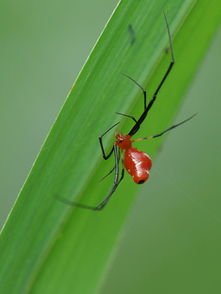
point(137, 164)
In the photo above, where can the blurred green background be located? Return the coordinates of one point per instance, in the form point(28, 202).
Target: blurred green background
point(171, 242)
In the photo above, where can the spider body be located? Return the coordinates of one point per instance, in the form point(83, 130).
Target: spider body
point(136, 162)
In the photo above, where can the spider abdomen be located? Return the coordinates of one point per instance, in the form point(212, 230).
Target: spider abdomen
point(138, 164)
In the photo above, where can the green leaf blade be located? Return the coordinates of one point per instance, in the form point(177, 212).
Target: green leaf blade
point(43, 235)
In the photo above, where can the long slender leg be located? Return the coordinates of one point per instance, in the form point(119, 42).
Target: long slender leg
point(144, 114)
point(105, 201)
point(143, 90)
point(168, 70)
point(167, 130)
point(101, 143)
point(127, 115)
point(144, 95)
point(117, 181)
point(107, 198)
point(110, 172)
point(175, 126)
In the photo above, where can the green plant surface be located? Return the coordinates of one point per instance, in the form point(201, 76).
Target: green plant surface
point(49, 247)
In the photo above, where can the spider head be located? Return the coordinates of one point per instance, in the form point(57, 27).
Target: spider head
point(123, 141)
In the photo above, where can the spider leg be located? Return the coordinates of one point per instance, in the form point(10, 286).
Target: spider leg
point(168, 69)
point(174, 126)
point(127, 115)
point(105, 201)
point(167, 130)
point(101, 143)
point(117, 181)
point(110, 172)
point(144, 95)
point(142, 89)
point(136, 127)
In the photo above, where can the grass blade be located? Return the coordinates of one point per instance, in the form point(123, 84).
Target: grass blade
point(55, 247)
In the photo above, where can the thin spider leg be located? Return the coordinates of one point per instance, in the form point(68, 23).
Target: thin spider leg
point(167, 130)
point(144, 114)
point(110, 172)
point(107, 198)
point(171, 63)
point(116, 180)
point(101, 143)
point(175, 126)
point(105, 201)
point(127, 115)
point(143, 90)
point(122, 172)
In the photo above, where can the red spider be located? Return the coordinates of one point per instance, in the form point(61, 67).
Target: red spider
point(136, 162)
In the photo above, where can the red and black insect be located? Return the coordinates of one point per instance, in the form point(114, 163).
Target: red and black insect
point(136, 162)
